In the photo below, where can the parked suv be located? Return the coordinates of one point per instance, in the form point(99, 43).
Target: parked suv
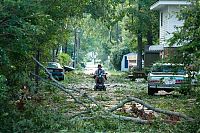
point(166, 77)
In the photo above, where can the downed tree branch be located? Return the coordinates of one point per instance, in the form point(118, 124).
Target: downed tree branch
point(119, 117)
point(51, 77)
point(130, 99)
point(136, 120)
point(63, 88)
point(106, 113)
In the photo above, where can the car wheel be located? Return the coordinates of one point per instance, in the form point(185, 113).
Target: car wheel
point(133, 79)
point(104, 88)
point(151, 91)
point(95, 88)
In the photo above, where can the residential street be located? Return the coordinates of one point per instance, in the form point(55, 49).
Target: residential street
point(99, 66)
point(119, 87)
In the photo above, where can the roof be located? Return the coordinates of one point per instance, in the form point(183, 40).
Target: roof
point(161, 47)
point(161, 3)
point(129, 54)
point(156, 48)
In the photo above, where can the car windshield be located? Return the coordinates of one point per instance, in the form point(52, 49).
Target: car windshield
point(54, 65)
point(169, 69)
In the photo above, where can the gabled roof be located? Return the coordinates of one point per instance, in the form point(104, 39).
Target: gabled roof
point(161, 3)
point(130, 54)
point(156, 48)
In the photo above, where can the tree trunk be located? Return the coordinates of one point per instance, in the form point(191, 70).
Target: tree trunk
point(139, 41)
point(117, 33)
point(139, 54)
point(57, 50)
point(149, 35)
point(75, 47)
point(53, 55)
point(66, 48)
point(110, 36)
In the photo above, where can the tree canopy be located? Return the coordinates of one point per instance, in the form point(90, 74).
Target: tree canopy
point(189, 34)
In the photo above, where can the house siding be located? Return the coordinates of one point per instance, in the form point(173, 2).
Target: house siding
point(169, 9)
point(174, 22)
point(170, 22)
point(164, 26)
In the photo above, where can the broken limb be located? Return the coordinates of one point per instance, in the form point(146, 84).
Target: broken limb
point(130, 99)
point(108, 113)
point(119, 117)
point(65, 89)
point(136, 120)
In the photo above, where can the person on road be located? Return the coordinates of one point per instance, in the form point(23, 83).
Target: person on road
point(98, 72)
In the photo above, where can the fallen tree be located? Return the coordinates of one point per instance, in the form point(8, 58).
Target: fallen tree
point(104, 113)
point(130, 99)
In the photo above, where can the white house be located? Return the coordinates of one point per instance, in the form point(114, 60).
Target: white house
point(169, 10)
point(128, 61)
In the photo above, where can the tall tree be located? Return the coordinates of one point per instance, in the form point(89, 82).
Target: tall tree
point(141, 23)
point(189, 35)
point(30, 27)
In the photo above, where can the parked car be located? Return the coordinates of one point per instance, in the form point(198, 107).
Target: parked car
point(56, 70)
point(167, 77)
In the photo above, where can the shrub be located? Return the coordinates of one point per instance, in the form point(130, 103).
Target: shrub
point(3, 87)
point(64, 59)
